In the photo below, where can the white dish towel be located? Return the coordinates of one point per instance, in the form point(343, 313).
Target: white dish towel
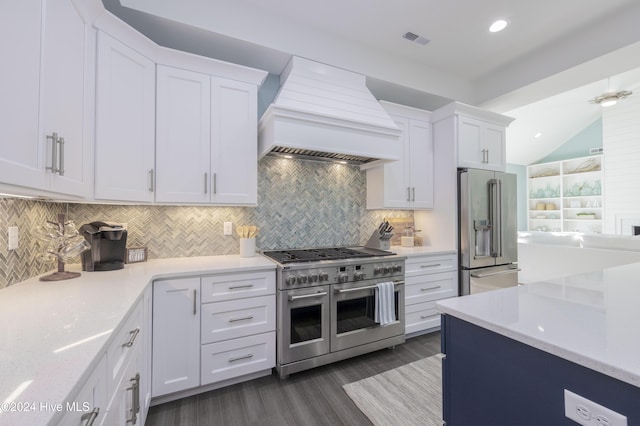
point(385, 312)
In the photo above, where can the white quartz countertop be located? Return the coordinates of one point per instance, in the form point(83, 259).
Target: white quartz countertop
point(52, 333)
point(591, 319)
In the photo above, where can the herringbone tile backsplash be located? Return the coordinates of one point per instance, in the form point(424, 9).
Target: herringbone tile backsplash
point(300, 204)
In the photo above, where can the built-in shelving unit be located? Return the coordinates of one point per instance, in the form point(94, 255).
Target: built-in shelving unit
point(566, 195)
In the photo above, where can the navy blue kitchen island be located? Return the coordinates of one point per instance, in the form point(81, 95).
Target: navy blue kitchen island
point(511, 354)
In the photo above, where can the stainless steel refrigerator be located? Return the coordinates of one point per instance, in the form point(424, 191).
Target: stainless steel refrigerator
point(487, 230)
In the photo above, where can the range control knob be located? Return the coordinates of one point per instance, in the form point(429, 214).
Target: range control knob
point(323, 276)
point(342, 278)
point(397, 268)
point(387, 269)
point(378, 270)
point(302, 279)
point(313, 278)
point(291, 280)
point(358, 276)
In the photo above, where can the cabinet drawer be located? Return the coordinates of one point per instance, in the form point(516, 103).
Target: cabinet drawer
point(422, 316)
point(424, 288)
point(237, 357)
point(238, 318)
point(126, 340)
point(217, 288)
point(430, 264)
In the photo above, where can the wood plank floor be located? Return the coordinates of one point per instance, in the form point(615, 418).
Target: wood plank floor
point(312, 397)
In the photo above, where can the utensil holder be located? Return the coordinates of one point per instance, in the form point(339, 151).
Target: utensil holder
point(247, 247)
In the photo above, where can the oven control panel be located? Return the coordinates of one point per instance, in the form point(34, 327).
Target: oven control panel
point(325, 274)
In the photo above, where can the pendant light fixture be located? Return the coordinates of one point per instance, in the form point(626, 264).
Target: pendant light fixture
point(610, 98)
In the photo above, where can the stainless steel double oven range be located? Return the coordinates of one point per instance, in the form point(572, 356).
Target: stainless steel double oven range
point(326, 302)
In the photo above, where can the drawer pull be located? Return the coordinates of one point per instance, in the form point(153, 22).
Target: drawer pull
point(135, 399)
point(425, 316)
point(234, 287)
point(134, 334)
point(241, 319)
point(238, 358)
point(195, 302)
point(430, 288)
point(90, 417)
point(431, 266)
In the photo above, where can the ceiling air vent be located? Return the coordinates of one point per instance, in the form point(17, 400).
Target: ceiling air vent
point(416, 38)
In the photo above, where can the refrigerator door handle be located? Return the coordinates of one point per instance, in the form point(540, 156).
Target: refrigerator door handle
point(491, 274)
point(495, 215)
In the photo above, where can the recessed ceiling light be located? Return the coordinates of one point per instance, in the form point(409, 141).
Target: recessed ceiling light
point(537, 136)
point(498, 25)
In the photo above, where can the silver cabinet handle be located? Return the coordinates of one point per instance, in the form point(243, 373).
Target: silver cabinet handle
point(195, 296)
point(90, 417)
point(135, 399)
point(61, 157)
point(413, 193)
point(485, 155)
point(54, 153)
point(134, 334)
point(424, 316)
point(206, 178)
point(151, 180)
point(408, 193)
point(215, 183)
point(307, 296)
point(430, 288)
point(238, 358)
point(234, 287)
point(431, 266)
point(248, 317)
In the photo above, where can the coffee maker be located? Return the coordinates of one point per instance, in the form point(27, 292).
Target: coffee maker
point(108, 243)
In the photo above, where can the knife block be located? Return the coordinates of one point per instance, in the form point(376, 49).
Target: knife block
point(380, 242)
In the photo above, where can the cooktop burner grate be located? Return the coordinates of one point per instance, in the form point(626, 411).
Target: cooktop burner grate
point(318, 254)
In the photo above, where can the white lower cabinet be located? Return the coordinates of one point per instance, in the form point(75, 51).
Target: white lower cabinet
point(223, 334)
point(90, 402)
point(428, 278)
point(176, 335)
point(237, 357)
point(114, 392)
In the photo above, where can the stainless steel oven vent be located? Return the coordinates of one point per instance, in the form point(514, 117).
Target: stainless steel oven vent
point(307, 154)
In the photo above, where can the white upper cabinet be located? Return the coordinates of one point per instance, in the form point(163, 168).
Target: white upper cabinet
point(206, 148)
point(125, 123)
point(47, 90)
point(234, 153)
point(481, 145)
point(408, 182)
point(478, 135)
point(183, 135)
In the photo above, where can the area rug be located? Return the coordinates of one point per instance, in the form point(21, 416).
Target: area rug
point(407, 395)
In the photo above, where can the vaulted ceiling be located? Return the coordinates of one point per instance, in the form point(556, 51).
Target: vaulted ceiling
point(530, 70)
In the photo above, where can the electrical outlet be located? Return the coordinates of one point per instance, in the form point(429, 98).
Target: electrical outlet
point(228, 228)
point(13, 238)
point(588, 413)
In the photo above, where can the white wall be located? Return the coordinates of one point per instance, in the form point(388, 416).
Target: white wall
point(621, 143)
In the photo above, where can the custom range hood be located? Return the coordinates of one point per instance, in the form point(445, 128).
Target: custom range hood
point(326, 113)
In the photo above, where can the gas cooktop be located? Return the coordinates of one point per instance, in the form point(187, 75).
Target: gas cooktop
point(325, 253)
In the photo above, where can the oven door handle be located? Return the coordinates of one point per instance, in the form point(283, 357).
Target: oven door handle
point(367, 287)
point(307, 296)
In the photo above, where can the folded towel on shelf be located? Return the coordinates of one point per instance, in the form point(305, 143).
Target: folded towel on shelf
point(385, 310)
